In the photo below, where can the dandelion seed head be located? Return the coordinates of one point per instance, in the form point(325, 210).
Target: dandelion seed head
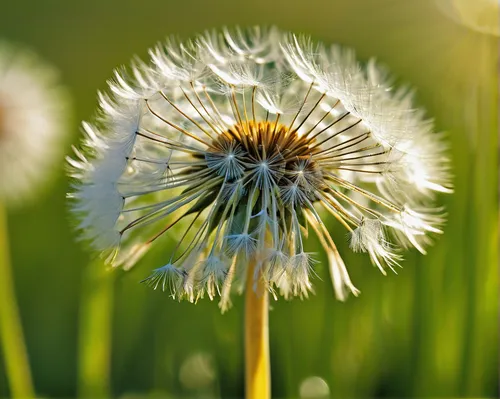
point(236, 143)
point(481, 15)
point(33, 121)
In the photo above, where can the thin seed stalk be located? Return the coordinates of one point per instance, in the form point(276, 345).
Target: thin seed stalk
point(257, 364)
point(95, 332)
point(11, 332)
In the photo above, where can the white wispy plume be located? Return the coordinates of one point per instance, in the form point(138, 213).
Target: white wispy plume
point(240, 141)
point(33, 123)
point(480, 15)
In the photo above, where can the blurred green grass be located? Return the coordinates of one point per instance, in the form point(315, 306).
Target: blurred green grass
point(430, 331)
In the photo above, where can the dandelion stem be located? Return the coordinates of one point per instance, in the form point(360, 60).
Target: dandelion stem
point(95, 332)
point(11, 333)
point(257, 370)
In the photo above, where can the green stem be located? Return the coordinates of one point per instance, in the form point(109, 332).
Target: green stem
point(11, 332)
point(95, 332)
point(257, 363)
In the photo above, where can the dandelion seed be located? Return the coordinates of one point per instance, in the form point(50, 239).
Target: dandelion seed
point(165, 277)
point(247, 139)
point(33, 122)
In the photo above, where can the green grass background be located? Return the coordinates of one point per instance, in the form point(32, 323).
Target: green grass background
point(430, 331)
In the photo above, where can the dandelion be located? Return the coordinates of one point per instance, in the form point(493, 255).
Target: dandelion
point(481, 15)
point(239, 141)
point(33, 122)
point(33, 116)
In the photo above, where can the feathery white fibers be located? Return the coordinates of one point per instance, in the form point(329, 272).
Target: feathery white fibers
point(33, 123)
point(480, 15)
point(242, 136)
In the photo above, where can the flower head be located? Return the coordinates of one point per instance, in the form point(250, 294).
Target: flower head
point(240, 142)
point(33, 116)
point(480, 15)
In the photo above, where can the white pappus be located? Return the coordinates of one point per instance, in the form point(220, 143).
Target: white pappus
point(242, 140)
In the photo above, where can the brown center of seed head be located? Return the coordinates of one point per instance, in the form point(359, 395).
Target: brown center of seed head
point(268, 141)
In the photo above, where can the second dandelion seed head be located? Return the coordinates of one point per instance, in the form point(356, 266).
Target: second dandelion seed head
point(33, 123)
point(242, 141)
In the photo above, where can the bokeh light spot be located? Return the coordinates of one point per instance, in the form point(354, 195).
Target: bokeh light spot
point(314, 387)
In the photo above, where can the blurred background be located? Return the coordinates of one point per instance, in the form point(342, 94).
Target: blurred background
point(429, 331)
